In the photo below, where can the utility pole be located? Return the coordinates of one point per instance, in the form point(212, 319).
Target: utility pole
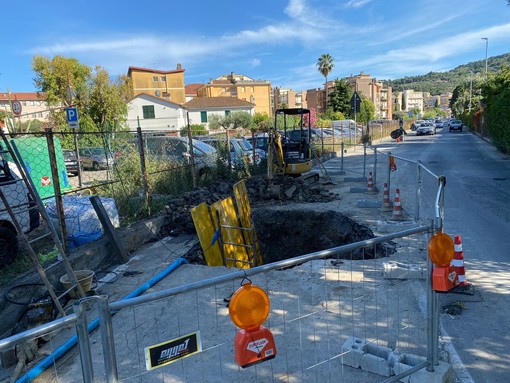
point(486, 49)
point(470, 90)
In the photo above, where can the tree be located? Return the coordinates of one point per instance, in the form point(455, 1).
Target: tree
point(404, 105)
point(107, 99)
point(367, 111)
point(325, 65)
point(101, 103)
point(340, 98)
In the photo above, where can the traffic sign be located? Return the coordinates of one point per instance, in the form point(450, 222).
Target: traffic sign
point(16, 107)
point(72, 118)
point(356, 102)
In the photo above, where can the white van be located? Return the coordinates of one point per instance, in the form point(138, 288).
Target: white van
point(17, 197)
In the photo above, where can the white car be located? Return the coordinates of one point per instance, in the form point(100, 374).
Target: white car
point(426, 128)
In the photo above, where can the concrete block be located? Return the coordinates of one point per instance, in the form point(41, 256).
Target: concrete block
point(393, 227)
point(443, 373)
point(403, 270)
point(8, 357)
point(352, 351)
point(375, 364)
point(369, 203)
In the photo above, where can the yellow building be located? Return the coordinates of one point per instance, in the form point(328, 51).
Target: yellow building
point(257, 92)
point(165, 84)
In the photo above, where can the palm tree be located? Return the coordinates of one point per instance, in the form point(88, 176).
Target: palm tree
point(325, 65)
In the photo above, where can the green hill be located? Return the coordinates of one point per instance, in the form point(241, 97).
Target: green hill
point(441, 82)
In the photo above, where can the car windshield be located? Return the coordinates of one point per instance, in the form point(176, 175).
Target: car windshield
point(203, 147)
point(245, 144)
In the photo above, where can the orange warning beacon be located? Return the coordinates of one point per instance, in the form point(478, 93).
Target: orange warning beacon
point(441, 251)
point(248, 309)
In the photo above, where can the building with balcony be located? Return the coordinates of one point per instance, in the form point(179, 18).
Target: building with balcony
point(164, 84)
point(378, 92)
point(256, 92)
point(288, 98)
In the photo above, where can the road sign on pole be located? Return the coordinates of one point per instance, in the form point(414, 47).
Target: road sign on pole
point(355, 102)
point(72, 118)
point(16, 107)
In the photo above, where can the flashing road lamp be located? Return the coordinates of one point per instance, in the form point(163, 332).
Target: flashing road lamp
point(486, 49)
point(441, 251)
point(248, 309)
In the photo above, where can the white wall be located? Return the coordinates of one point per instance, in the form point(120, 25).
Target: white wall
point(168, 116)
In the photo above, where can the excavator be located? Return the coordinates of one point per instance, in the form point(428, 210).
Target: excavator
point(289, 149)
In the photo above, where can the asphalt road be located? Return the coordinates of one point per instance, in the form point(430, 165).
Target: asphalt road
point(477, 207)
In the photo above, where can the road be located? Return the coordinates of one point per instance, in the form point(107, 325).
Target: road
point(477, 207)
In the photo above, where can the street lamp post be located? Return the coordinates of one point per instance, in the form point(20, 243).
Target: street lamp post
point(486, 49)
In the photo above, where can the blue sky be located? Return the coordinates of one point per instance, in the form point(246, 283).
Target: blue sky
point(275, 40)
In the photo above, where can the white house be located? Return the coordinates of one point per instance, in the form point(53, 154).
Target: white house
point(154, 113)
point(201, 108)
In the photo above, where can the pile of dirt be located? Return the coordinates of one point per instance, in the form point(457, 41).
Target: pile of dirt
point(292, 190)
point(285, 234)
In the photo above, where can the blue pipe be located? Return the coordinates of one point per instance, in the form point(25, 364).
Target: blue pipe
point(60, 351)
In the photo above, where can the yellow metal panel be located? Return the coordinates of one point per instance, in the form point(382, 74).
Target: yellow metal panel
point(235, 253)
point(244, 208)
point(205, 230)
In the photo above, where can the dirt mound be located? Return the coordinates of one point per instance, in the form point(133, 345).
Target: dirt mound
point(285, 234)
point(292, 190)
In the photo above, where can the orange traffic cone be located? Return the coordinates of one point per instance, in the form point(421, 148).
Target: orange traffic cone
point(386, 205)
point(370, 186)
point(398, 214)
point(458, 261)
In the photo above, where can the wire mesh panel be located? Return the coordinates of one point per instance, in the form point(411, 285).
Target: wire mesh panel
point(316, 308)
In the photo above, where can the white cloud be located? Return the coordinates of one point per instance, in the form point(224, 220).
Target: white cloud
point(356, 3)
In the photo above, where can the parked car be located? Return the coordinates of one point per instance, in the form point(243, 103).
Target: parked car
point(95, 158)
point(426, 128)
point(455, 125)
point(71, 161)
point(177, 149)
point(416, 124)
point(248, 147)
point(438, 123)
point(240, 154)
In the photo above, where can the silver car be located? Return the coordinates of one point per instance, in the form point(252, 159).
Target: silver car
point(426, 128)
point(95, 158)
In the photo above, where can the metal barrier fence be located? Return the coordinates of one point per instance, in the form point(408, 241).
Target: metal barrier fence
point(320, 304)
point(339, 297)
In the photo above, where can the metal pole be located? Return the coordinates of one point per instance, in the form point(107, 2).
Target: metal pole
point(430, 312)
point(486, 50)
point(110, 360)
point(419, 184)
point(364, 159)
point(342, 157)
point(59, 203)
point(141, 152)
point(389, 172)
point(83, 341)
point(375, 167)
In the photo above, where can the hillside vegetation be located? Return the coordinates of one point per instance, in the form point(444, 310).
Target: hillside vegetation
point(441, 82)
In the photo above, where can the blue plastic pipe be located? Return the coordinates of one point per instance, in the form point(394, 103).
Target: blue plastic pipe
point(60, 351)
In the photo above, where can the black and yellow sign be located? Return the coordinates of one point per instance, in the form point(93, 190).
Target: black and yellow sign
point(172, 350)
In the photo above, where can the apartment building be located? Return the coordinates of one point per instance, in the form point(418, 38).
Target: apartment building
point(409, 100)
point(257, 92)
point(378, 92)
point(288, 98)
point(33, 105)
point(165, 84)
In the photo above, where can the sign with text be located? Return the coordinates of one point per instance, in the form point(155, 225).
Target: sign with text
point(167, 352)
point(72, 118)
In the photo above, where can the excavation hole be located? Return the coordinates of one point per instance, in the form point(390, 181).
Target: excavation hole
point(285, 234)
